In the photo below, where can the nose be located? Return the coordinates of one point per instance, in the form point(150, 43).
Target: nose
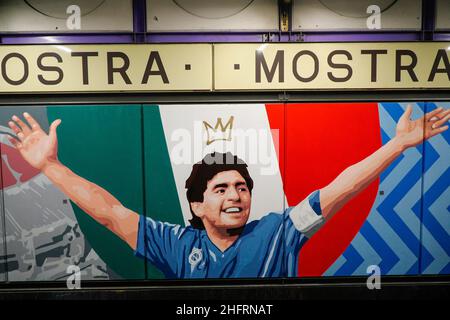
point(233, 195)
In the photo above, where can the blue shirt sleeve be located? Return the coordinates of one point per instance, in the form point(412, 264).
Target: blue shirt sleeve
point(314, 202)
point(159, 242)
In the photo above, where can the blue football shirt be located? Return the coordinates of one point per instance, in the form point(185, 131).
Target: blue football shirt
point(267, 247)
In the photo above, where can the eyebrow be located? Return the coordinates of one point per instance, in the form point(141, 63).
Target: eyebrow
point(225, 185)
point(220, 185)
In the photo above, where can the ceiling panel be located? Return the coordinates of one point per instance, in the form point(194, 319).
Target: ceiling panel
point(324, 15)
point(49, 15)
point(212, 15)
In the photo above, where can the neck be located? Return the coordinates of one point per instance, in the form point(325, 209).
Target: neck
point(223, 238)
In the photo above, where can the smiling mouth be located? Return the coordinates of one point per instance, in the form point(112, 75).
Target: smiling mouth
point(233, 210)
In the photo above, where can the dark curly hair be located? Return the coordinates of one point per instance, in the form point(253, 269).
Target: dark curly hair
point(205, 170)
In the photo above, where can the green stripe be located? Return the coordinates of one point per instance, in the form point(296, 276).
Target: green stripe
point(103, 144)
point(161, 193)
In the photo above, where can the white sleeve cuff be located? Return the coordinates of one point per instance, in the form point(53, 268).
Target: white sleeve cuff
point(305, 219)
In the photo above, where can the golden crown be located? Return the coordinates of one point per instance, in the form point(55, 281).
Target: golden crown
point(219, 131)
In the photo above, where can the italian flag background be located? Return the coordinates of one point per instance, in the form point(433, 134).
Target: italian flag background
point(143, 154)
point(320, 140)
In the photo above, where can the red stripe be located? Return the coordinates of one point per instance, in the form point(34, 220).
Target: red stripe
point(322, 139)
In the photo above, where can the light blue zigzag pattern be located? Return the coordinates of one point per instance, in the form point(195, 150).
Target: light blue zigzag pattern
point(436, 195)
point(390, 237)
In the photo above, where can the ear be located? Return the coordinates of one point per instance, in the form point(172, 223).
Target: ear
point(197, 208)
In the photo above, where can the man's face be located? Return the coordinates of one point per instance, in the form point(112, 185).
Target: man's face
point(226, 202)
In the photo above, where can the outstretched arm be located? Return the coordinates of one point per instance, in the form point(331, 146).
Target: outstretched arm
point(41, 151)
point(357, 177)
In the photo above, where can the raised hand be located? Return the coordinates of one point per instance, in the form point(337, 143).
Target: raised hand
point(413, 132)
point(36, 147)
point(40, 150)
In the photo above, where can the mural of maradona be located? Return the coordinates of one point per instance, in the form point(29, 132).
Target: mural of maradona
point(220, 242)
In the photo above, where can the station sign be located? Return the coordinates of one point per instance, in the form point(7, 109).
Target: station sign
point(224, 67)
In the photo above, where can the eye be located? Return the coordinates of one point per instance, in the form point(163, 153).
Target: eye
point(243, 189)
point(220, 191)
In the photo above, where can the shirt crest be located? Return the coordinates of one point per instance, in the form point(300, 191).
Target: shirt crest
point(195, 257)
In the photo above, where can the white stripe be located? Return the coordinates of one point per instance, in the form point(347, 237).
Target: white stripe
point(187, 121)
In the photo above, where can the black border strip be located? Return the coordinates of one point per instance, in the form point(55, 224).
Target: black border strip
point(223, 97)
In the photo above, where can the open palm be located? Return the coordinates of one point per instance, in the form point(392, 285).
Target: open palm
point(413, 132)
point(36, 147)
